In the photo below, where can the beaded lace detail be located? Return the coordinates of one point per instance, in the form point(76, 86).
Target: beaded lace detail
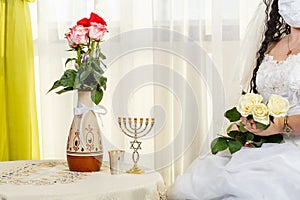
point(281, 78)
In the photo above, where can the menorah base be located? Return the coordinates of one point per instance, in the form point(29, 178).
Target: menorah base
point(135, 170)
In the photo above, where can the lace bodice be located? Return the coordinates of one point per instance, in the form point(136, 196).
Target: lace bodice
point(282, 78)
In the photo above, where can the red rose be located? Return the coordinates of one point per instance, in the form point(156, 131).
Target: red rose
point(84, 22)
point(97, 19)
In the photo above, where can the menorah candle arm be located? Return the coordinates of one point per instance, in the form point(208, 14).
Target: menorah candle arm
point(126, 132)
point(132, 124)
point(126, 127)
point(147, 132)
point(140, 125)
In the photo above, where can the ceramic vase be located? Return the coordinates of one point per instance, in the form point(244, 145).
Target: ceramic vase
point(84, 146)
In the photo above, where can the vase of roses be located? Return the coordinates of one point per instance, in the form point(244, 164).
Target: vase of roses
point(251, 107)
point(84, 146)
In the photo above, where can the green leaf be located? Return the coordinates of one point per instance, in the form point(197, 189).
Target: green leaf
point(96, 75)
point(229, 127)
point(218, 144)
point(97, 95)
point(242, 138)
point(99, 66)
point(84, 75)
point(102, 56)
point(242, 128)
point(249, 136)
point(260, 142)
point(103, 64)
point(55, 85)
point(65, 90)
point(232, 115)
point(68, 78)
point(233, 134)
point(77, 82)
point(226, 137)
point(96, 66)
point(261, 126)
point(278, 138)
point(234, 146)
point(102, 82)
point(68, 60)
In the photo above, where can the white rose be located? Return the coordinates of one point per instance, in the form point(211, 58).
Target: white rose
point(246, 103)
point(260, 113)
point(278, 106)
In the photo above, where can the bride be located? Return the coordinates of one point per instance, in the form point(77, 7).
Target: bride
point(272, 171)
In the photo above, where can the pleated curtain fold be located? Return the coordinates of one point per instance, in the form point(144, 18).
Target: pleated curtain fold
point(19, 137)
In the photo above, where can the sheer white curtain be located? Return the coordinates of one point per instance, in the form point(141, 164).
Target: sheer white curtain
point(172, 60)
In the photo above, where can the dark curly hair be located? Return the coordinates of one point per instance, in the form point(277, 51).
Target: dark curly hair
point(275, 29)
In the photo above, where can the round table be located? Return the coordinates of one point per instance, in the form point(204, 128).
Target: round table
point(51, 179)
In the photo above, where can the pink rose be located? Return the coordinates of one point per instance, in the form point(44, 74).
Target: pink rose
point(77, 35)
point(71, 43)
point(97, 31)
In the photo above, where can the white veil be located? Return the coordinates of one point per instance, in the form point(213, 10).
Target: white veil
point(246, 58)
point(250, 45)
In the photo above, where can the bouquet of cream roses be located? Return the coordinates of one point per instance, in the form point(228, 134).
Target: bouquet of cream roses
point(251, 106)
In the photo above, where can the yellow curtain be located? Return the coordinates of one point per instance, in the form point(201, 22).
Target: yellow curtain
point(18, 117)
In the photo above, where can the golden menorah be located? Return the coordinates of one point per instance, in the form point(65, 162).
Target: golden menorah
point(135, 128)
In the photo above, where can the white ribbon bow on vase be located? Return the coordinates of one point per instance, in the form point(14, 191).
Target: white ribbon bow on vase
point(82, 110)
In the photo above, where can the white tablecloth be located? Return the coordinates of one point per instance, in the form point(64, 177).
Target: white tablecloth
point(43, 180)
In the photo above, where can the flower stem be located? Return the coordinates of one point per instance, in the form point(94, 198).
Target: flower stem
point(78, 61)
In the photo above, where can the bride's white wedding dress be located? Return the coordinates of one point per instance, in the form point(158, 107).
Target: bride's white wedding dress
point(271, 172)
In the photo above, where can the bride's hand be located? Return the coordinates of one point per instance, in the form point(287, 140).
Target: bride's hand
point(250, 125)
